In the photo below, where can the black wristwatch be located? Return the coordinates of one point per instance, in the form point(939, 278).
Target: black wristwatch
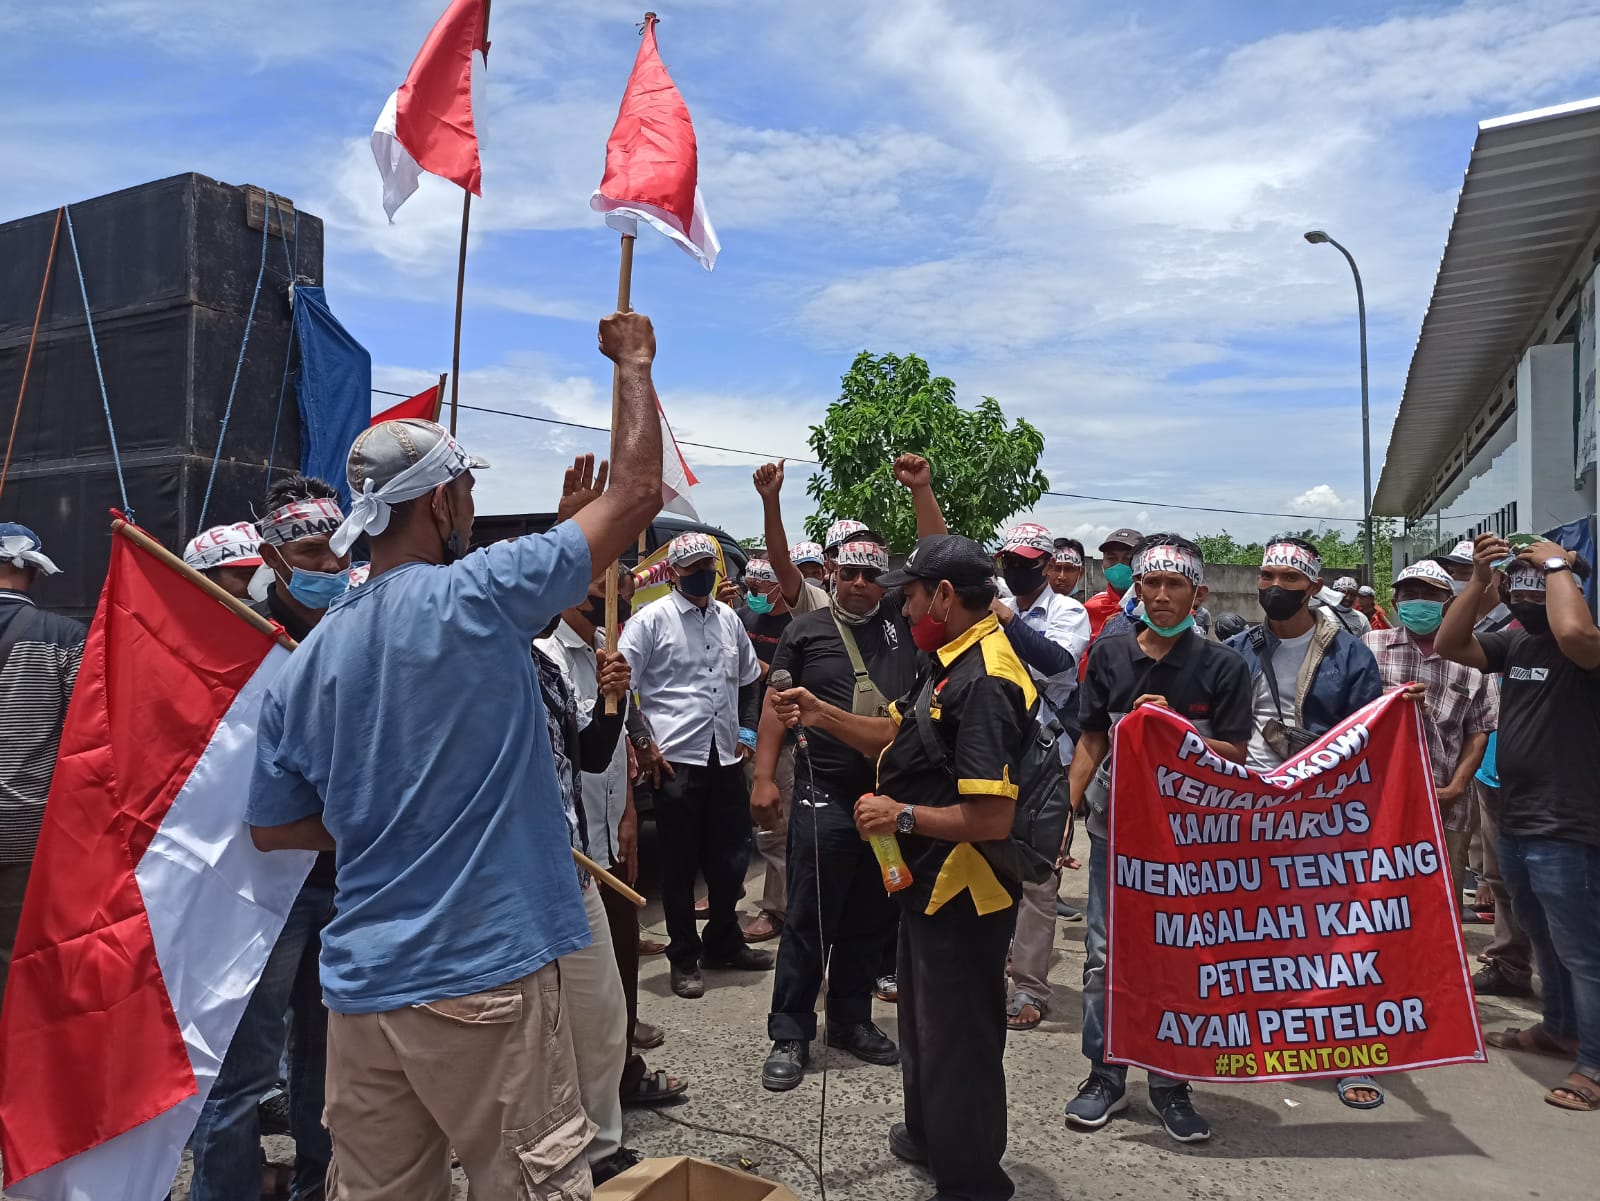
point(905, 822)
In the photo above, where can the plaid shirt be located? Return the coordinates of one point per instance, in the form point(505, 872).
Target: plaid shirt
point(1461, 700)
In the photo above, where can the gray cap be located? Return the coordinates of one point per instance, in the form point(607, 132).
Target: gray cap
point(383, 451)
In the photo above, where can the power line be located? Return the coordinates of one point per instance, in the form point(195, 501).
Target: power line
point(762, 455)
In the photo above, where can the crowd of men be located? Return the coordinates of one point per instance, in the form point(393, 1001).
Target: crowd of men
point(451, 987)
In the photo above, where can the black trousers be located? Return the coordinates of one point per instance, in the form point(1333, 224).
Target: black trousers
point(952, 1043)
point(826, 852)
point(703, 821)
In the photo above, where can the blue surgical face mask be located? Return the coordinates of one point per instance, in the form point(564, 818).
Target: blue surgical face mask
point(698, 583)
point(758, 603)
point(1420, 616)
point(317, 589)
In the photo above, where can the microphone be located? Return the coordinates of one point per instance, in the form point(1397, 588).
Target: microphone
point(782, 681)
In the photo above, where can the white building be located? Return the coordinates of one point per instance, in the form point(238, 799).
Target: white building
point(1496, 427)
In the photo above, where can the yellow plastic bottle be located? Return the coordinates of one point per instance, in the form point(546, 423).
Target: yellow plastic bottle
point(891, 863)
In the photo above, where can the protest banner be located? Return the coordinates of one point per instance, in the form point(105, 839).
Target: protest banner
point(1282, 925)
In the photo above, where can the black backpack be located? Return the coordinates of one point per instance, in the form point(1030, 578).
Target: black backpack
point(1044, 807)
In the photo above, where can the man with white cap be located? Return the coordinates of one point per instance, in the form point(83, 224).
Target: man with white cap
point(1462, 702)
point(39, 657)
point(1367, 606)
point(1049, 632)
point(1339, 600)
point(801, 585)
point(812, 563)
point(1548, 760)
point(227, 555)
point(409, 732)
point(697, 675)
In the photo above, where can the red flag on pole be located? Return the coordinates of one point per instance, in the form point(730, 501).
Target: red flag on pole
point(652, 163)
point(424, 405)
point(426, 125)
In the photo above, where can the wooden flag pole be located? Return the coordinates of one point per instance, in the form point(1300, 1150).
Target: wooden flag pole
point(624, 304)
point(461, 288)
point(438, 397)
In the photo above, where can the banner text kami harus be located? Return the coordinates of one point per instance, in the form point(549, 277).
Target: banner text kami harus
point(1291, 923)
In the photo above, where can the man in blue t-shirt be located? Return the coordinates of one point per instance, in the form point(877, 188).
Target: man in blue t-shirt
point(407, 735)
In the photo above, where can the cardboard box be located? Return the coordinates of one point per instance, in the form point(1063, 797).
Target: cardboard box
point(681, 1178)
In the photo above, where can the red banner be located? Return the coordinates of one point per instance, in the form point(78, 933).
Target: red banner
point(1285, 925)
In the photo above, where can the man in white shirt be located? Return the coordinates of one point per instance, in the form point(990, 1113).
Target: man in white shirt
point(697, 674)
point(1049, 631)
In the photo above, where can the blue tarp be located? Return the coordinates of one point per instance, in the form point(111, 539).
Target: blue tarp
point(1579, 536)
point(334, 388)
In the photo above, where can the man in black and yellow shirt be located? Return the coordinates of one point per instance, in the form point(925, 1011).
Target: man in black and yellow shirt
point(957, 915)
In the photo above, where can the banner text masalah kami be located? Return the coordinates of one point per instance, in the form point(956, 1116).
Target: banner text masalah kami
point(1293, 924)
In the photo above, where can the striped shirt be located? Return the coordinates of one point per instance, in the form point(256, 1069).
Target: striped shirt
point(36, 681)
point(1461, 700)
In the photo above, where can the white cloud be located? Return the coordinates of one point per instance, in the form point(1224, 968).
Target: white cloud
point(1323, 501)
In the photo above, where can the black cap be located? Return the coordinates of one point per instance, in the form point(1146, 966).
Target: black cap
point(944, 557)
point(1123, 537)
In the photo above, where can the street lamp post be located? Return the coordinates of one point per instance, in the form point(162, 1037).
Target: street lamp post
point(1315, 236)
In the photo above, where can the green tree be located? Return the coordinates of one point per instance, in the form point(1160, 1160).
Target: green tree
point(984, 471)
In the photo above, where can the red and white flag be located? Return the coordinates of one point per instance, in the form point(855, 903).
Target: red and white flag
point(427, 125)
point(149, 913)
point(676, 477)
point(424, 405)
point(652, 164)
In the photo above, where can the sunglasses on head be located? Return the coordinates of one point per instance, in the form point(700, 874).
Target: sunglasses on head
point(869, 574)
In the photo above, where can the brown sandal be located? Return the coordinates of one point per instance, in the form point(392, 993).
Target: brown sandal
point(1535, 1039)
point(1577, 1092)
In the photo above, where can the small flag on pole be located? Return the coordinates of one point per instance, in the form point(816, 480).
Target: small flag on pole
point(676, 476)
point(424, 405)
point(149, 914)
point(426, 124)
point(652, 163)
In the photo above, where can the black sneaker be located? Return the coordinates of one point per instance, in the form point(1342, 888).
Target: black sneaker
point(1178, 1116)
point(1491, 980)
point(618, 1162)
point(786, 1065)
point(1097, 1101)
point(866, 1042)
point(1068, 913)
point(273, 1112)
point(903, 1147)
point(744, 959)
point(687, 982)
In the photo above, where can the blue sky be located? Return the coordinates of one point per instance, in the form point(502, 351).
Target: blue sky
point(1091, 213)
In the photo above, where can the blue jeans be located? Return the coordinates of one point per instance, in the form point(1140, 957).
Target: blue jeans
point(1094, 975)
point(287, 1005)
point(1555, 896)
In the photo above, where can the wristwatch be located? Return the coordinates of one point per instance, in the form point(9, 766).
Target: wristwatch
point(905, 822)
point(1557, 563)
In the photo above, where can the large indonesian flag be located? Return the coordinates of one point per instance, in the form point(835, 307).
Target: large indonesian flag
point(652, 162)
point(427, 123)
point(149, 914)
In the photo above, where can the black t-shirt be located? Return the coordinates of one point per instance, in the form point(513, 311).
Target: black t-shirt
point(1205, 682)
point(765, 629)
point(813, 653)
point(980, 713)
point(1548, 752)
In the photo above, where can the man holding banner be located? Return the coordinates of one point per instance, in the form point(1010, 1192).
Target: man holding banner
point(1161, 661)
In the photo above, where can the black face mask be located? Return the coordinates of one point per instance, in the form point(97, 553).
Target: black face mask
point(696, 584)
point(1533, 617)
point(1023, 581)
point(454, 547)
point(1280, 604)
point(595, 611)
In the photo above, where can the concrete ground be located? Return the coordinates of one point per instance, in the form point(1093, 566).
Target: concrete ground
point(1445, 1134)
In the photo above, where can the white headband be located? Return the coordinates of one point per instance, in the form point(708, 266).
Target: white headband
point(1295, 558)
point(1169, 558)
point(870, 555)
point(1525, 577)
point(1069, 557)
point(20, 552)
point(370, 508)
point(300, 519)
